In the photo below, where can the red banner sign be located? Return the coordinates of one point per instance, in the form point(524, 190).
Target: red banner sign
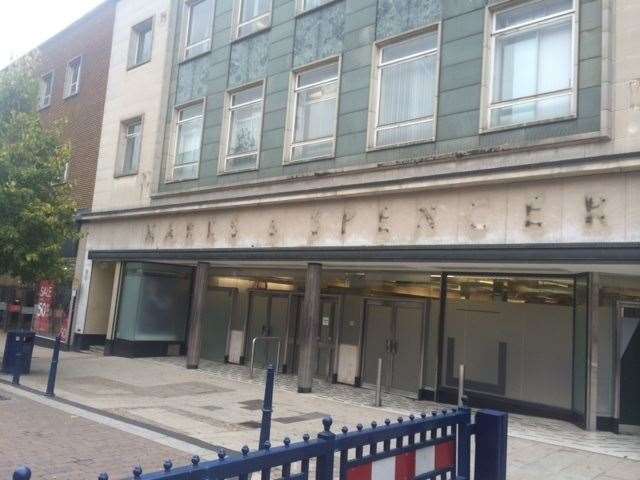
point(43, 315)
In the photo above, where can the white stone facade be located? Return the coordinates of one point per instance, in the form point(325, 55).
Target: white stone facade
point(134, 92)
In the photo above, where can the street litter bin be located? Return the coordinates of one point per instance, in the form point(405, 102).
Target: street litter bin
point(15, 337)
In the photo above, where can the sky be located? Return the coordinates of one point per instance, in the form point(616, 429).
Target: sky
point(25, 24)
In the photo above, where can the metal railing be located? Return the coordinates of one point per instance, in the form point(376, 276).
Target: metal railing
point(431, 447)
point(435, 446)
point(253, 352)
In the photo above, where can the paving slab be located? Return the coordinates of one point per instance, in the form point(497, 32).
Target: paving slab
point(219, 404)
point(57, 444)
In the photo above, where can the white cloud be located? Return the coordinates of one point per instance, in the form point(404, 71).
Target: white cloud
point(25, 24)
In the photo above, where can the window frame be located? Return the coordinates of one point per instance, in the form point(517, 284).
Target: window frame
point(68, 75)
point(300, 10)
point(489, 57)
point(237, 13)
point(188, 9)
point(122, 146)
point(134, 43)
point(226, 127)
point(376, 83)
point(175, 126)
point(292, 107)
point(41, 104)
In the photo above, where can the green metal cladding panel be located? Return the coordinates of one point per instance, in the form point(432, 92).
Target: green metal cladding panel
point(349, 28)
point(319, 34)
point(249, 60)
point(396, 17)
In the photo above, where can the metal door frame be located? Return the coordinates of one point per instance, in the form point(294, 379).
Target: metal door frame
point(422, 303)
point(337, 298)
point(269, 294)
point(363, 345)
point(617, 342)
point(422, 339)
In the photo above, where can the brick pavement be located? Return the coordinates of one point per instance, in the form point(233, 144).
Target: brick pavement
point(59, 445)
point(220, 405)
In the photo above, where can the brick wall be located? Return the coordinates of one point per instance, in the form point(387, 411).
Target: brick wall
point(89, 37)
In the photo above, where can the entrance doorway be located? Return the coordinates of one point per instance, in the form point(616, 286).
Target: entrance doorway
point(218, 313)
point(629, 366)
point(393, 332)
point(326, 335)
point(267, 323)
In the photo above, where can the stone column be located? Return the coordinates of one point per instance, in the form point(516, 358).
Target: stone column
point(310, 325)
point(194, 341)
point(593, 302)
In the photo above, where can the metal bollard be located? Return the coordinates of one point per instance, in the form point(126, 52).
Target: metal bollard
point(53, 370)
point(17, 367)
point(267, 409)
point(461, 386)
point(379, 384)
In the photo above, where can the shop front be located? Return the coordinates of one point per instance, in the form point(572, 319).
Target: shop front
point(522, 338)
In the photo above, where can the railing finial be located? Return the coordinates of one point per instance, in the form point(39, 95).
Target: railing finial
point(22, 473)
point(326, 423)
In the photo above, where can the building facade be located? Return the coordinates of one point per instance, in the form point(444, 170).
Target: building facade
point(72, 69)
point(429, 183)
point(132, 138)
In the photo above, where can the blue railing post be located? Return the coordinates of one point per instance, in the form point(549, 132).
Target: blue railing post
point(17, 366)
point(491, 445)
point(324, 463)
point(464, 444)
point(53, 370)
point(267, 408)
point(22, 473)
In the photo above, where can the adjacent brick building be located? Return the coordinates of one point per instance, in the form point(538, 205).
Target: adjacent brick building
point(89, 41)
point(73, 70)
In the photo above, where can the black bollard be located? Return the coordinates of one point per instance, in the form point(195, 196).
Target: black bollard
point(17, 367)
point(267, 409)
point(53, 370)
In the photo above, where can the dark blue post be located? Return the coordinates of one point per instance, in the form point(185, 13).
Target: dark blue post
point(17, 366)
point(324, 464)
point(267, 408)
point(22, 473)
point(491, 445)
point(53, 370)
point(464, 444)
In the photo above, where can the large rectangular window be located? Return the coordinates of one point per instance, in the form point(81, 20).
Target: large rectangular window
point(199, 25)
point(244, 127)
point(406, 77)
point(46, 88)
point(130, 140)
point(533, 63)
point(253, 16)
point(72, 79)
point(315, 107)
point(154, 303)
point(141, 43)
point(188, 133)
